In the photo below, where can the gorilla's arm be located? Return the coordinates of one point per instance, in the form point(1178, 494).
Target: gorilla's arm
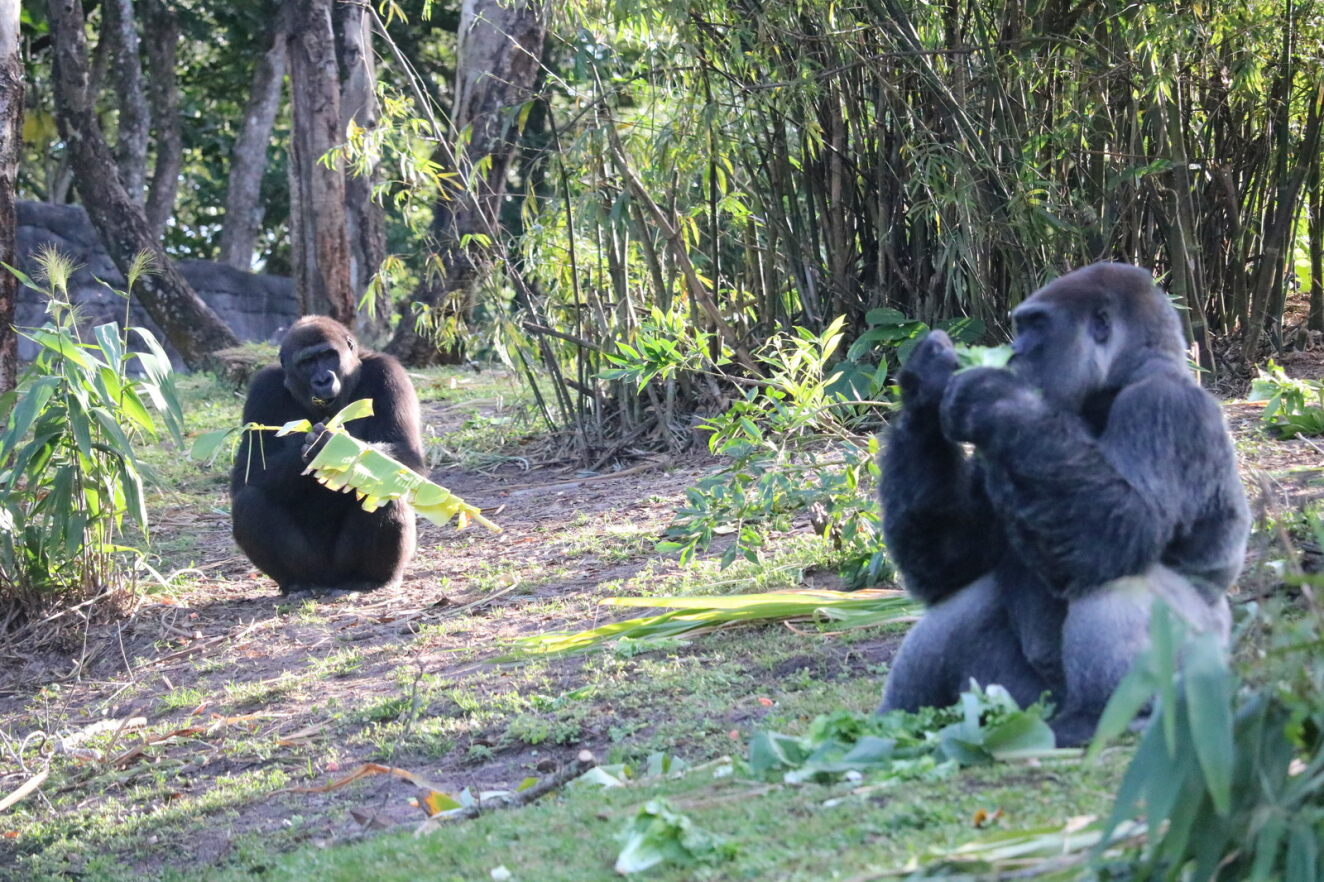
point(265, 460)
point(394, 426)
point(937, 519)
point(1157, 485)
point(939, 525)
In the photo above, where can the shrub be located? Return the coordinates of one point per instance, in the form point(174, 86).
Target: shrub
point(70, 481)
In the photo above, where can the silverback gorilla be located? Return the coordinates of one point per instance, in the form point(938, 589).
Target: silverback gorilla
point(298, 532)
point(1102, 475)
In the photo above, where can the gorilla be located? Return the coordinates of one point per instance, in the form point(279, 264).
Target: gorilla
point(298, 532)
point(1101, 475)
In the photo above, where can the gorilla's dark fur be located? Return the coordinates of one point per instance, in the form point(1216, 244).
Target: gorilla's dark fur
point(1102, 475)
point(295, 530)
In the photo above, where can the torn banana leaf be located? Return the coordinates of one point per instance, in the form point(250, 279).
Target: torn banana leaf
point(346, 464)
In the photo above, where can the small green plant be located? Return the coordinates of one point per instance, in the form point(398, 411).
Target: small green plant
point(1292, 407)
point(659, 834)
point(71, 483)
point(793, 443)
point(985, 726)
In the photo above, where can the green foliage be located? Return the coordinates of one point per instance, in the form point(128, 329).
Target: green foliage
point(968, 357)
point(658, 834)
point(792, 442)
point(665, 344)
point(983, 727)
point(1292, 407)
point(1230, 776)
point(71, 482)
point(756, 167)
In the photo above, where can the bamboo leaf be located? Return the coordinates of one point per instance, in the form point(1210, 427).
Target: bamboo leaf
point(1208, 692)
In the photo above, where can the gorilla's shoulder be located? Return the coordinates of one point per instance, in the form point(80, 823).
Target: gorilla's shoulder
point(383, 371)
point(270, 377)
point(1170, 399)
point(380, 362)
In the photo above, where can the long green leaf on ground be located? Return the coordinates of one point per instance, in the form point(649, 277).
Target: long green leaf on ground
point(853, 609)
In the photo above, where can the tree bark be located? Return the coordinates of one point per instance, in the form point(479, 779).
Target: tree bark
point(1315, 247)
point(189, 324)
point(366, 226)
point(243, 199)
point(317, 201)
point(161, 24)
point(1275, 247)
point(499, 54)
point(134, 119)
point(11, 127)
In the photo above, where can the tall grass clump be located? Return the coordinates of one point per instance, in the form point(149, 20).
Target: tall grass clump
point(71, 484)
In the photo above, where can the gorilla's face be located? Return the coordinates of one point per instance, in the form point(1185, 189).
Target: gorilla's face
point(1065, 343)
point(321, 366)
point(1091, 331)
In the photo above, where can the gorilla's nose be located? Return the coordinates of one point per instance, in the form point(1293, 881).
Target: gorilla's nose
point(326, 385)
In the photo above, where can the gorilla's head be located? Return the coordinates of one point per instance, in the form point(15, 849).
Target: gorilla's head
point(1091, 330)
point(320, 359)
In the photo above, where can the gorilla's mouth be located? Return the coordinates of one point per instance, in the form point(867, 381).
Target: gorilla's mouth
point(322, 402)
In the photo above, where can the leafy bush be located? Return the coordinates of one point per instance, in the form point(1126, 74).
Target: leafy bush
point(1292, 407)
point(792, 441)
point(799, 439)
point(1230, 776)
point(70, 480)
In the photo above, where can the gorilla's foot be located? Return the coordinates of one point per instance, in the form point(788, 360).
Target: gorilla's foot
point(1074, 729)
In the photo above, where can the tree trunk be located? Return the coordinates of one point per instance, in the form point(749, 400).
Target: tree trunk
point(499, 52)
point(189, 324)
point(358, 104)
point(11, 127)
point(1315, 238)
point(243, 199)
point(127, 72)
point(317, 201)
point(161, 24)
point(1275, 247)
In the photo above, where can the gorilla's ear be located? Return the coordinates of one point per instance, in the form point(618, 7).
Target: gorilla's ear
point(351, 342)
point(1101, 328)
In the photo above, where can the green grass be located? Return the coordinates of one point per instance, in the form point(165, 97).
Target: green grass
point(806, 833)
point(218, 805)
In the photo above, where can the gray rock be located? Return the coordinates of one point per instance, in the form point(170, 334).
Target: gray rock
point(254, 305)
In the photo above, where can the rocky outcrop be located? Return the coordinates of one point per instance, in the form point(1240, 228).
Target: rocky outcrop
point(255, 306)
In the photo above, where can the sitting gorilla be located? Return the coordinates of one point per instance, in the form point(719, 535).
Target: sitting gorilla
point(298, 532)
point(1102, 476)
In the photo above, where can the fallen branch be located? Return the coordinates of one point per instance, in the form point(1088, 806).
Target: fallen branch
point(582, 763)
point(25, 790)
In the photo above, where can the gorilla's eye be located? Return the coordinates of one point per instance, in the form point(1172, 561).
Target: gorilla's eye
point(1100, 326)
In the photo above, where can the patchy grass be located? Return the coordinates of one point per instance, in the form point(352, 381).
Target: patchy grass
point(246, 696)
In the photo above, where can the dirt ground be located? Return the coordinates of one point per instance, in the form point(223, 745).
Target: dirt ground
point(236, 683)
point(229, 638)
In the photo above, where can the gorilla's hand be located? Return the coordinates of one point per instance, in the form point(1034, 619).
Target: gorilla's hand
point(314, 441)
point(979, 399)
point(927, 372)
